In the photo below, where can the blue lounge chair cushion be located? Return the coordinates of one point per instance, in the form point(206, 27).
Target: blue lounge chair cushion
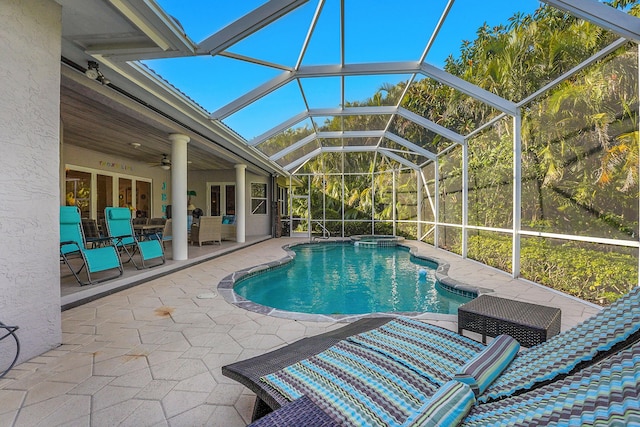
point(484, 368)
point(150, 249)
point(447, 407)
point(101, 259)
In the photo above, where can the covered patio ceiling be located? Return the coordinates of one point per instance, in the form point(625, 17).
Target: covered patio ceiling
point(285, 80)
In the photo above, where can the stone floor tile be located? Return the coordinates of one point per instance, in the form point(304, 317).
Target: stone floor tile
point(177, 402)
point(112, 395)
point(178, 369)
point(225, 394)
point(226, 416)
point(91, 385)
point(196, 417)
point(59, 407)
point(115, 415)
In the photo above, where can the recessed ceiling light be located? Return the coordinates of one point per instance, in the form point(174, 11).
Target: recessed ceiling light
point(135, 144)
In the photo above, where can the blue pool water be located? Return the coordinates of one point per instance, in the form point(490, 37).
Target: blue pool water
point(345, 279)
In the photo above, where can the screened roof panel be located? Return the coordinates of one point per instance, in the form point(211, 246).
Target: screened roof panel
point(286, 138)
point(355, 142)
point(207, 78)
point(366, 122)
point(287, 33)
point(419, 135)
point(463, 115)
point(261, 115)
point(324, 44)
point(398, 33)
point(204, 17)
point(461, 26)
point(374, 90)
point(324, 124)
point(500, 52)
point(299, 153)
point(322, 92)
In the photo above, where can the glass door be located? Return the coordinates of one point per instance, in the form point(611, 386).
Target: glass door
point(222, 199)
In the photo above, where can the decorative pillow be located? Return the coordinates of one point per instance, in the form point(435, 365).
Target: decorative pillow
point(484, 368)
point(447, 407)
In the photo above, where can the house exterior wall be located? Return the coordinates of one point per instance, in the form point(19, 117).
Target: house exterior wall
point(30, 46)
point(256, 225)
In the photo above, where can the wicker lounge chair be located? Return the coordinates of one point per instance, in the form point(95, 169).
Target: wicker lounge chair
point(209, 229)
point(120, 228)
point(436, 358)
point(94, 260)
point(606, 393)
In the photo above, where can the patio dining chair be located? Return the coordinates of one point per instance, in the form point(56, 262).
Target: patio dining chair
point(120, 229)
point(91, 233)
point(436, 354)
point(73, 245)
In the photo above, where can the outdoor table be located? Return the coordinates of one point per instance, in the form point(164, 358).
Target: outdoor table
point(528, 323)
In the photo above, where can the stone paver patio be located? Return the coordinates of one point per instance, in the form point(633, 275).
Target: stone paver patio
point(151, 355)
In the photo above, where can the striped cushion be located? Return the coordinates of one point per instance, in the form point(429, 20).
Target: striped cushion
point(604, 394)
point(448, 406)
point(483, 369)
point(434, 352)
point(563, 352)
point(354, 385)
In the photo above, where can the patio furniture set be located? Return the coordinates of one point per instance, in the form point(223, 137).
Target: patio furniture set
point(401, 371)
point(106, 254)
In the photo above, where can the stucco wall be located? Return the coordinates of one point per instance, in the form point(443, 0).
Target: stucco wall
point(30, 40)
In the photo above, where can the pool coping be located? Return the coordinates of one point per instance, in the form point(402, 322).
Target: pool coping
point(226, 285)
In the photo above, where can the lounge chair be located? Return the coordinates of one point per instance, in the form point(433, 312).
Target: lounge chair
point(606, 393)
point(120, 229)
point(73, 245)
point(437, 354)
point(208, 229)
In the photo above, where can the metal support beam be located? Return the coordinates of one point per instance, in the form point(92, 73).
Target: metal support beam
point(517, 193)
point(465, 197)
point(247, 25)
point(602, 15)
point(468, 88)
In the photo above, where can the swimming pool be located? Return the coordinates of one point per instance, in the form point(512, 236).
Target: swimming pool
point(341, 278)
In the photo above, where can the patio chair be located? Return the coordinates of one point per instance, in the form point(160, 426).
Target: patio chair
point(91, 233)
point(120, 229)
point(437, 354)
point(166, 233)
point(208, 229)
point(73, 245)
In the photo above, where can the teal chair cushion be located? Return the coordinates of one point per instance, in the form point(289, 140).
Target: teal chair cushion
point(447, 407)
point(484, 368)
point(101, 259)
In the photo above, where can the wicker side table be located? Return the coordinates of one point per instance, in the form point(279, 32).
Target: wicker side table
point(530, 324)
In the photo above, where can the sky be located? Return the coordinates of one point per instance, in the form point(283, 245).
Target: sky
point(375, 31)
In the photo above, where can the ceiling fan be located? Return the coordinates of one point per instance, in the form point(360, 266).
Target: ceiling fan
point(165, 163)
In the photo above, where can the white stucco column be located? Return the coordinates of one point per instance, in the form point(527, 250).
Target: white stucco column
point(241, 197)
point(30, 41)
point(179, 242)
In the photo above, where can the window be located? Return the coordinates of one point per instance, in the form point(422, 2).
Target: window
point(283, 201)
point(258, 198)
point(93, 190)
